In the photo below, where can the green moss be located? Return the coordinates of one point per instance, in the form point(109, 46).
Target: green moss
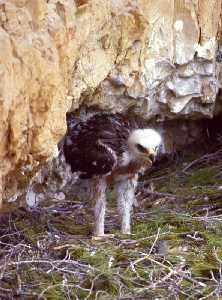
point(77, 252)
point(41, 281)
point(203, 176)
point(68, 224)
point(197, 182)
point(111, 198)
point(214, 240)
point(31, 227)
point(189, 236)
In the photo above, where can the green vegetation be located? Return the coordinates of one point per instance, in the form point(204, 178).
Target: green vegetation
point(175, 251)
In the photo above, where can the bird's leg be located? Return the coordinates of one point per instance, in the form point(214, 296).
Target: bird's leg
point(125, 190)
point(99, 199)
point(100, 207)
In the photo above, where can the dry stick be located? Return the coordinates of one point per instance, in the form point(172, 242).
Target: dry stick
point(202, 159)
point(149, 192)
point(169, 269)
point(42, 261)
point(154, 243)
point(160, 234)
point(163, 234)
point(64, 246)
point(92, 286)
point(100, 292)
point(166, 195)
point(61, 285)
point(153, 285)
point(220, 268)
point(172, 197)
point(210, 294)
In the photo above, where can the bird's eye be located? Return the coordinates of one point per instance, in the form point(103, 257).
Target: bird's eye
point(141, 148)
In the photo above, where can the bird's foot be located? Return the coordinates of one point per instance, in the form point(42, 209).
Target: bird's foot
point(102, 237)
point(126, 232)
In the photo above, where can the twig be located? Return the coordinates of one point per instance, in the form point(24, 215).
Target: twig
point(210, 156)
point(60, 285)
point(154, 243)
point(148, 257)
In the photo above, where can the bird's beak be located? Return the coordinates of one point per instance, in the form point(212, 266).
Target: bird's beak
point(151, 155)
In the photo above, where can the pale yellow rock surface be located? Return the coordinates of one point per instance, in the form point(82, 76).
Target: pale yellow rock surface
point(36, 59)
point(56, 55)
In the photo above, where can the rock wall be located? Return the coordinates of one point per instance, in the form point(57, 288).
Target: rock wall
point(152, 56)
point(161, 57)
point(36, 58)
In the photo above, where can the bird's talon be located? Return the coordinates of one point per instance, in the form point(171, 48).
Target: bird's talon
point(126, 233)
point(102, 237)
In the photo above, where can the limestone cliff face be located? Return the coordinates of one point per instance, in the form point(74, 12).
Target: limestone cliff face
point(36, 59)
point(155, 56)
point(159, 55)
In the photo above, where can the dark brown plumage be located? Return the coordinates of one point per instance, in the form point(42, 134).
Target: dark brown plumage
point(86, 142)
point(110, 148)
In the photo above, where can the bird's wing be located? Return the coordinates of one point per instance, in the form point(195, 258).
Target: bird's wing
point(99, 160)
point(90, 158)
